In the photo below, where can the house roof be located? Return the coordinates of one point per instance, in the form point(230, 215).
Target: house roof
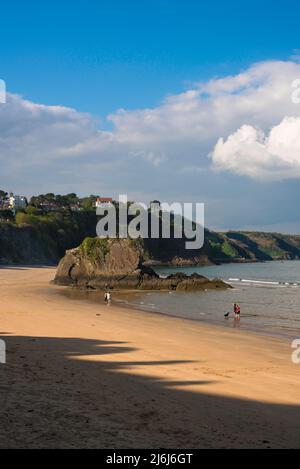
point(104, 199)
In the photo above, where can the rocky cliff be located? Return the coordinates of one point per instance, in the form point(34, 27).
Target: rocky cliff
point(119, 264)
point(45, 239)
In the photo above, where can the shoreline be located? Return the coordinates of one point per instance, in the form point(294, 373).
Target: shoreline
point(75, 294)
point(87, 375)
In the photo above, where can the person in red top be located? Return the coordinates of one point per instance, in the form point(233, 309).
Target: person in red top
point(237, 311)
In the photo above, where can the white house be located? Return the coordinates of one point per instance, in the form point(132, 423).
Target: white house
point(103, 202)
point(17, 201)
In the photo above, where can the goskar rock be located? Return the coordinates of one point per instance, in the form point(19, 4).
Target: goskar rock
point(119, 264)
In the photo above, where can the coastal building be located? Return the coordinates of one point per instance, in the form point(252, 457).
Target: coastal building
point(76, 207)
point(48, 206)
point(17, 202)
point(103, 202)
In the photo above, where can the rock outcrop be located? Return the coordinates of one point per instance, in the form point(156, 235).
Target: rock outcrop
point(118, 264)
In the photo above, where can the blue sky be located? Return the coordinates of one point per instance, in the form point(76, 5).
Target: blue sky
point(98, 56)
point(176, 100)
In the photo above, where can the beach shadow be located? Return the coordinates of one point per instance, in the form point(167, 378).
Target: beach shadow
point(79, 393)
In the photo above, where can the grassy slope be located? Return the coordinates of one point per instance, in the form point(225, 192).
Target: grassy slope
point(266, 246)
point(44, 240)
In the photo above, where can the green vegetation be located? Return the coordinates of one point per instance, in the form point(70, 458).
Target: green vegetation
point(52, 224)
point(6, 215)
point(3, 194)
point(229, 250)
point(94, 248)
point(33, 238)
point(46, 228)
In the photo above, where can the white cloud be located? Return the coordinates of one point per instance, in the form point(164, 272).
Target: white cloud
point(259, 96)
point(251, 153)
point(59, 148)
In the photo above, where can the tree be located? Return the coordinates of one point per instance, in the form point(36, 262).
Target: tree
point(3, 194)
point(88, 202)
point(6, 215)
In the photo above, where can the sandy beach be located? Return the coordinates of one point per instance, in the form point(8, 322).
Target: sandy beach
point(83, 375)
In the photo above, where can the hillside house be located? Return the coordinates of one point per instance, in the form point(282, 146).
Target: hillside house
point(103, 202)
point(17, 202)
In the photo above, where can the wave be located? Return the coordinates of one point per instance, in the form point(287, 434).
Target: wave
point(264, 282)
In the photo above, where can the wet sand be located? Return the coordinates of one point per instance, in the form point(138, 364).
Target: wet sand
point(84, 375)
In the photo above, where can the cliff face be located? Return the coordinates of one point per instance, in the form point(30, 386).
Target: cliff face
point(224, 247)
point(44, 240)
point(119, 264)
point(265, 246)
point(23, 246)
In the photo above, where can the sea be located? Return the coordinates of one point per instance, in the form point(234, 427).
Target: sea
point(268, 294)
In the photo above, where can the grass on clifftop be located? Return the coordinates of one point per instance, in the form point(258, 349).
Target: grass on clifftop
point(94, 248)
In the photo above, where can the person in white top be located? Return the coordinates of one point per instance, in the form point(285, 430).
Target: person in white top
point(107, 297)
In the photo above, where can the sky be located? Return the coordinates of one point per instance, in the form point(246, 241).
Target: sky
point(181, 101)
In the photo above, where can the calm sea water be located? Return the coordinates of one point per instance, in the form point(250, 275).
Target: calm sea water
point(287, 271)
point(268, 293)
